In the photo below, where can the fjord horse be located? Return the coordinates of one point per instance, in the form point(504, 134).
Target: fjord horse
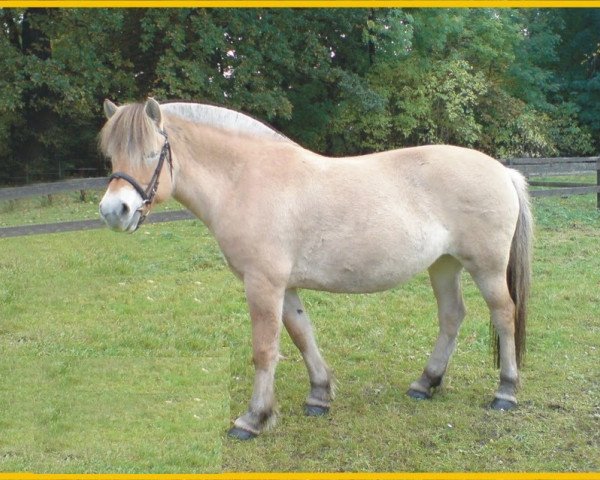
point(286, 218)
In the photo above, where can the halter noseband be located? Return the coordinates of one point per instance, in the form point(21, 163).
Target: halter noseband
point(150, 192)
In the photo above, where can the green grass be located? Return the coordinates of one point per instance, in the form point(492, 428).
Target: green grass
point(131, 353)
point(119, 414)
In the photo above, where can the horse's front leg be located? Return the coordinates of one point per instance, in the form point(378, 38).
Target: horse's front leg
point(265, 302)
point(297, 323)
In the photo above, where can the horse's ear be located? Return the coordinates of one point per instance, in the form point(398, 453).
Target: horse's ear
point(109, 108)
point(153, 111)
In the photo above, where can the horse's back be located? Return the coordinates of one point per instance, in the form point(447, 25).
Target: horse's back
point(437, 184)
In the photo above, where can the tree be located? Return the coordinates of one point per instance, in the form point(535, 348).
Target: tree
point(339, 81)
point(59, 66)
point(578, 69)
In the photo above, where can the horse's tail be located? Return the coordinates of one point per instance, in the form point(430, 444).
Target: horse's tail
point(518, 273)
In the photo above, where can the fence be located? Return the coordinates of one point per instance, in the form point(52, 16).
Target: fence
point(81, 184)
point(559, 166)
point(530, 167)
point(78, 184)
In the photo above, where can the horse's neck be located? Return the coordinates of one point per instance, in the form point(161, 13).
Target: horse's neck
point(209, 163)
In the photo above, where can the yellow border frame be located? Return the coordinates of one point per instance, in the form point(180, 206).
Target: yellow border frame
point(308, 4)
point(311, 476)
point(302, 3)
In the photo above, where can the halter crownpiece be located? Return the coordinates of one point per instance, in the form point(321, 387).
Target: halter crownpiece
point(150, 192)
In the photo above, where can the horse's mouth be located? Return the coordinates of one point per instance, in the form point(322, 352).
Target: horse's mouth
point(135, 223)
point(118, 224)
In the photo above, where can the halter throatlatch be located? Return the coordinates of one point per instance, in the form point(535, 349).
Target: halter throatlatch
point(150, 192)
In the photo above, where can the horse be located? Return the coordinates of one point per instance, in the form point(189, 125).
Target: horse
point(286, 219)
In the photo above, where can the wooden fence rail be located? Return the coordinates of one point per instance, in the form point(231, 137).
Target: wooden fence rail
point(530, 167)
point(81, 184)
point(14, 193)
point(559, 166)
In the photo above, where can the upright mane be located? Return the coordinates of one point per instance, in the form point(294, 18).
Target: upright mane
point(130, 132)
point(223, 118)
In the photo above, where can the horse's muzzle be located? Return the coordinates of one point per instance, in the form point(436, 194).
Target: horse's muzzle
point(121, 210)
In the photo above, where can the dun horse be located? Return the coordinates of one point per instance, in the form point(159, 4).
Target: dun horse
point(286, 218)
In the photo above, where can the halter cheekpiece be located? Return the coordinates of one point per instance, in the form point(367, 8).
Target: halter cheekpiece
point(150, 192)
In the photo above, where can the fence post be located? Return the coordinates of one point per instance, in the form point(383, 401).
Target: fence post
point(598, 183)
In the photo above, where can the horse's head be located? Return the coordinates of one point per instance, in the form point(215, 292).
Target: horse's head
point(136, 143)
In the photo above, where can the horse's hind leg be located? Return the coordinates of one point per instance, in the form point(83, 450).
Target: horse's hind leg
point(445, 280)
point(495, 291)
point(298, 325)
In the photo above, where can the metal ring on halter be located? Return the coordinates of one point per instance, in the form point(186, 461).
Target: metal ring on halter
point(150, 192)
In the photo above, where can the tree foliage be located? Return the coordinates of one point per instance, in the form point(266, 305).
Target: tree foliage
point(506, 81)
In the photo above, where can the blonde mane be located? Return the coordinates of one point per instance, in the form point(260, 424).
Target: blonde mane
point(224, 118)
point(130, 131)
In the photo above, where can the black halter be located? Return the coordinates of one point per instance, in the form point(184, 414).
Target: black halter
point(150, 192)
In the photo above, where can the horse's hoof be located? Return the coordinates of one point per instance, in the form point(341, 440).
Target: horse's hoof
point(502, 404)
point(240, 433)
point(315, 410)
point(418, 394)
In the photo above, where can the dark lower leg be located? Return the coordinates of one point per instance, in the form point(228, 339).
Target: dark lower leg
point(265, 304)
point(298, 325)
point(445, 281)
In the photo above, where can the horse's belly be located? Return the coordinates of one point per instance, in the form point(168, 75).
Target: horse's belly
point(355, 266)
point(351, 280)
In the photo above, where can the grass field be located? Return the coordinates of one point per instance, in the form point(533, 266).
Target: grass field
point(131, 353)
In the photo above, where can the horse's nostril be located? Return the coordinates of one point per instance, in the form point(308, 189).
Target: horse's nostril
point(124, 209)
